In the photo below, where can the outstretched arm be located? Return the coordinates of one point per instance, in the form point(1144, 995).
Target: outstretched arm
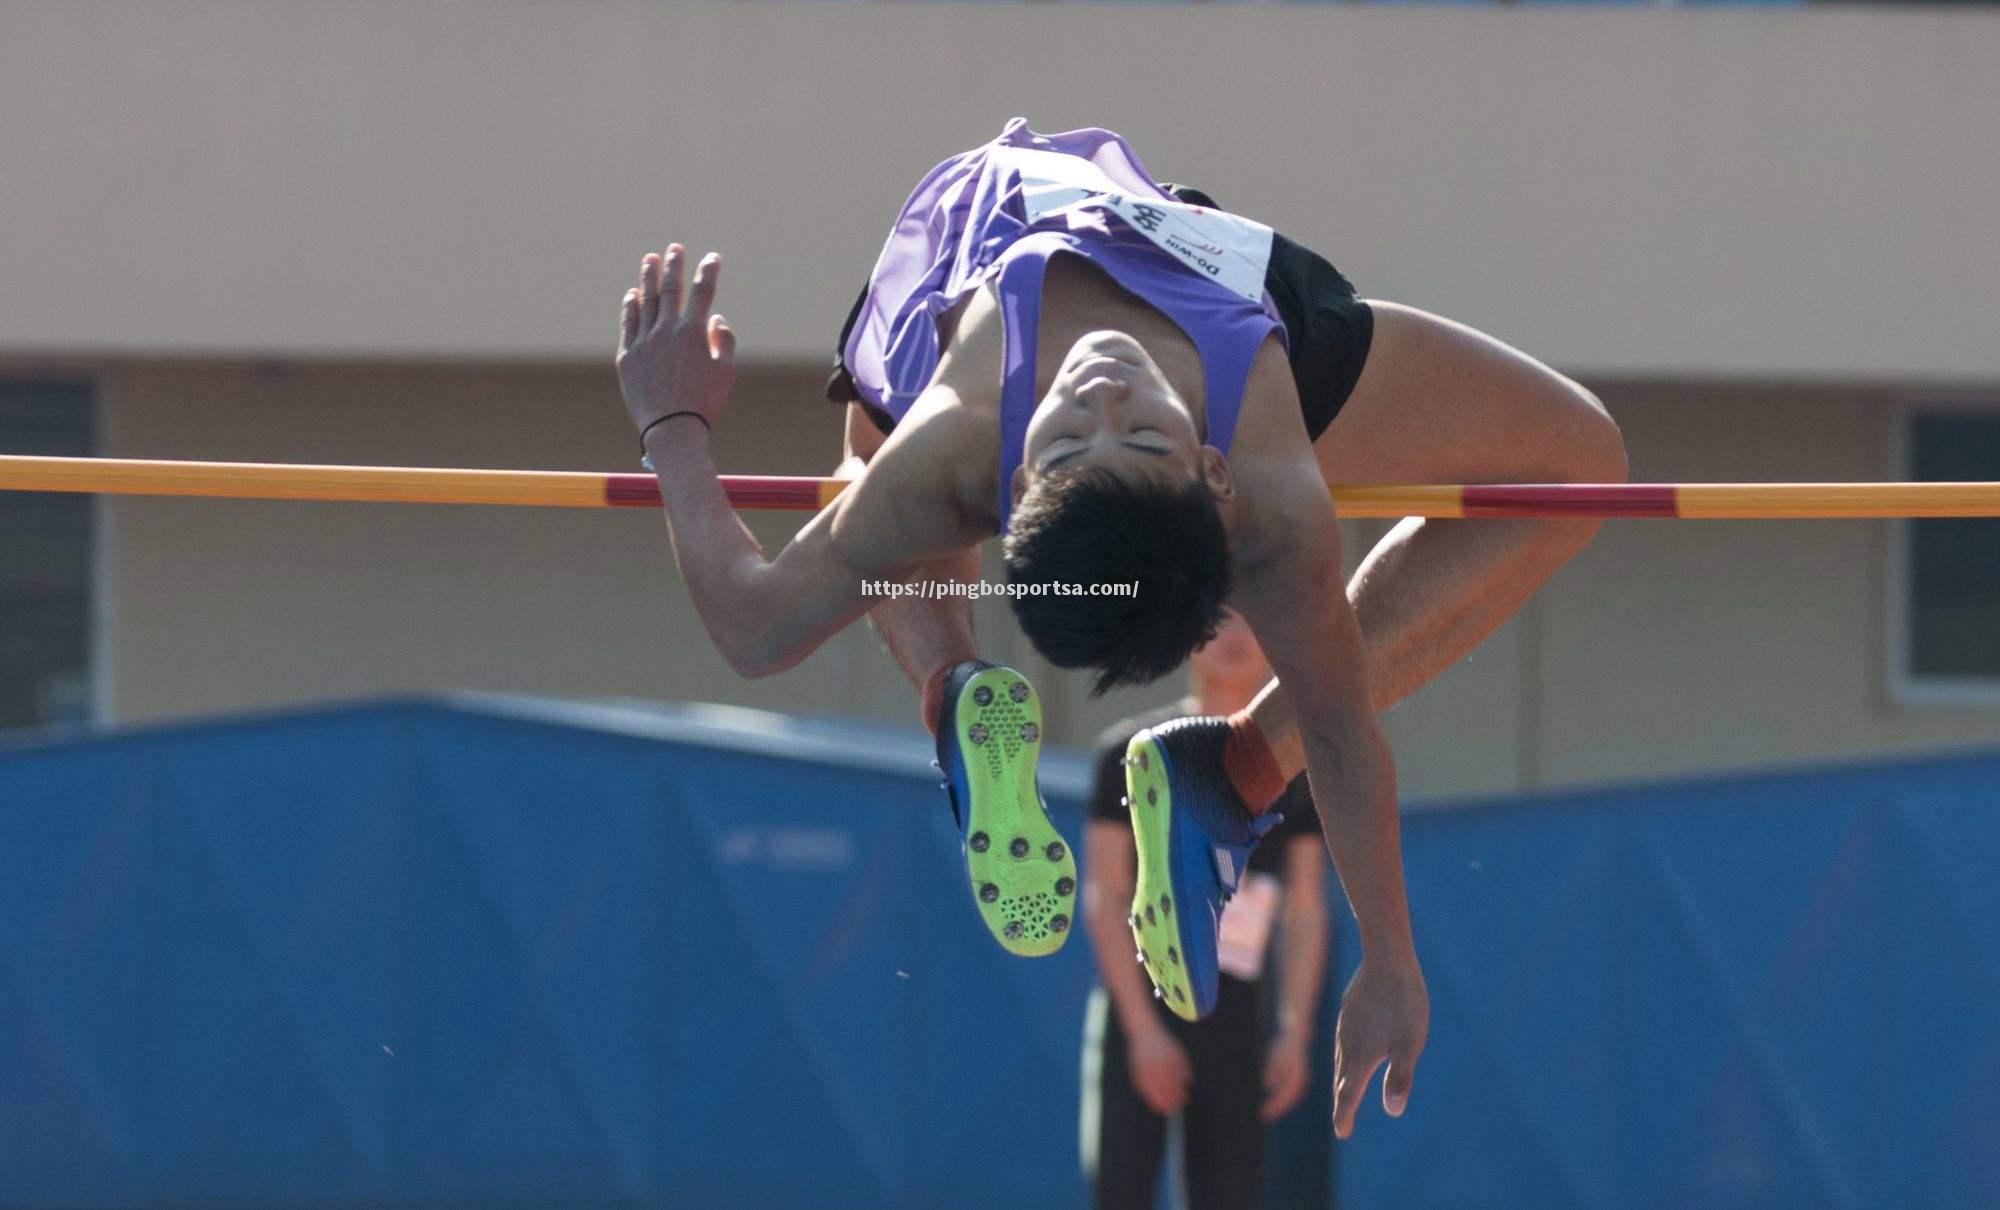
point(676, 366)
point(1295, 602)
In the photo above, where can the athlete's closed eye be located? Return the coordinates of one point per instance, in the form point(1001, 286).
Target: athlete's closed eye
point(1057, 452)
point(1069, 445)
point(1053, 457)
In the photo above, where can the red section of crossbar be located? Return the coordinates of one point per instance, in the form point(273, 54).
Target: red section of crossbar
point(783, 493)
point(1589, 500)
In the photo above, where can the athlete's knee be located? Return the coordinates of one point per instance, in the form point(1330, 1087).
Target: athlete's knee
point(1604, 447)
point(1586, 447)
point(1592, 445)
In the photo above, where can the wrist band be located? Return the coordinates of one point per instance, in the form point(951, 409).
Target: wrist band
point(645, 459)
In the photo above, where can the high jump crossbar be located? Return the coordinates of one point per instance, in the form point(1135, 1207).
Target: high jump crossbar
point(583, 489)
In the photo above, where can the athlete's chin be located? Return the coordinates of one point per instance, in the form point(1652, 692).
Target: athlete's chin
point(1112, 343)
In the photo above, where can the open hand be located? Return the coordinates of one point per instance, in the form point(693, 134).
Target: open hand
point(1384, 1017)
point(671, 358)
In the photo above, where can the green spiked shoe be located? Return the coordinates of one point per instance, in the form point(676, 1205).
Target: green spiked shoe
point(1023, 873)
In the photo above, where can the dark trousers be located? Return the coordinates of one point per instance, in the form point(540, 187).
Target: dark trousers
point(1222, 1138)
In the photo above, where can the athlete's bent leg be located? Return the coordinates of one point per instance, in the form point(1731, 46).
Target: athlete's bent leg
point(929, 637)
point(1438, 402)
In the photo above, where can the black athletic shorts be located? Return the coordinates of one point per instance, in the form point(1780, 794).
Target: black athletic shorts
point(1327, 328)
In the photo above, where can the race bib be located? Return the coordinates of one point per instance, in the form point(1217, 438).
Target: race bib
point(1247, 920)
point(1228, 249)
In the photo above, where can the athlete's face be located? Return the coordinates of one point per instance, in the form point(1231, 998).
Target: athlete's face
point(1111, 407)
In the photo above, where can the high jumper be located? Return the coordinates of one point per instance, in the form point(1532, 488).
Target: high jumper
point(1130, 384)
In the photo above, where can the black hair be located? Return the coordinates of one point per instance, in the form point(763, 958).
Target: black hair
point(1089, 527)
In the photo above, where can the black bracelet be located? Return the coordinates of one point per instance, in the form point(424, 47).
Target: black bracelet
point(645, 459)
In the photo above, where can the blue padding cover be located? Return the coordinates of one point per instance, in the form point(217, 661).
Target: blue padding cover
point(1758, 993)
point(465, 952)
point(460, 956)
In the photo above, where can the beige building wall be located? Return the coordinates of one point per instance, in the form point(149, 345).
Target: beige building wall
point(1804, 193)
point(1666, 647)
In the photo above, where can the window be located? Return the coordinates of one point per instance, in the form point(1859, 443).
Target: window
point(47, 545)
point(1948, 642)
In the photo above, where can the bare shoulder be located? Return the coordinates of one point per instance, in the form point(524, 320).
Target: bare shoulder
point(1269, 422)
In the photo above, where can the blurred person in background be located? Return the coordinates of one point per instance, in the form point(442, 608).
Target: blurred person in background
point(1241, 1067)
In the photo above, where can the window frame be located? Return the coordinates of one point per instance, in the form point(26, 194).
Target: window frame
point(1908, 689)
point(97, 620)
